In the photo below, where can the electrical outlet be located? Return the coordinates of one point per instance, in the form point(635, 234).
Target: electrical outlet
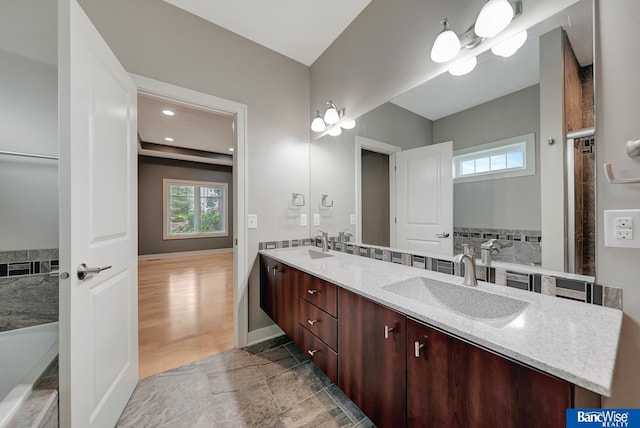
point(252, 221)
point(624, 234)
point(624, 223)
point(303, 220)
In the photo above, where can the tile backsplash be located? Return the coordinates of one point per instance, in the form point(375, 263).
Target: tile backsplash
point(515, 246)
point(28, 294)
point(518, 277)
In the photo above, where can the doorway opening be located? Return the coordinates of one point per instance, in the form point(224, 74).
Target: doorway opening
point(188, 225)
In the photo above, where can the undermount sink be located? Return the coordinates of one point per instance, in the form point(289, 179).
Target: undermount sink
point(491, 309)
point(318, 255)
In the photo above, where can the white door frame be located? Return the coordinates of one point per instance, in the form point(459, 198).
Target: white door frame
point(387, 149)
point(191, 98)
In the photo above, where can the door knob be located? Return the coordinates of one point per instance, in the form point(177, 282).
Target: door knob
point(442, 235)
point(84, 271)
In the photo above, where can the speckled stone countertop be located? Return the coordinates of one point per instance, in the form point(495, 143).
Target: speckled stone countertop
point(572, 340)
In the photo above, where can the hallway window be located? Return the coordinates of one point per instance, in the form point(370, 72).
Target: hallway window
point(194, 209)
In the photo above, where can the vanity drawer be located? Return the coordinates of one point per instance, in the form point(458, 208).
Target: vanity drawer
point(321, 355)
point(320, 293)
point(319, 323)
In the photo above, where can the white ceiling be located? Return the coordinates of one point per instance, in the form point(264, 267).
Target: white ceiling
point(190, 128)
point(299, 29)
point(494, 76)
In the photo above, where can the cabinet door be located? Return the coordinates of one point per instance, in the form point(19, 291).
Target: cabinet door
point(286, 300)
point(455, 384)
point(371, 367)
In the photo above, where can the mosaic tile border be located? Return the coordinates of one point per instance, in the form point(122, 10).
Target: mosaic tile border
point(502, 234)
point(28, 262)
point(581, 291)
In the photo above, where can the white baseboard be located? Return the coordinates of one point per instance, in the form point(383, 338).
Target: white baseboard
point(184, 254)
point(262, 334)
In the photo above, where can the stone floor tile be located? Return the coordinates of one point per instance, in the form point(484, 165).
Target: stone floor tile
point(297, 384)
point(319, 411)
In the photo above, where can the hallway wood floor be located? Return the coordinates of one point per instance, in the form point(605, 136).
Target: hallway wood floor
point(185, 310)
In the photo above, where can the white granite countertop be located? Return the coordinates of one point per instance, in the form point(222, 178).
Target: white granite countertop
point(571, 340)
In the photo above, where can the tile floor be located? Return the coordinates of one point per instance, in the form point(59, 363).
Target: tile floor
point(271, 384)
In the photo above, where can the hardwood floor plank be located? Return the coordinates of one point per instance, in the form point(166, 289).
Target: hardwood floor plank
point(185, 310)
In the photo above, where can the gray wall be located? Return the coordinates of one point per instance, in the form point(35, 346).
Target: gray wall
point(155, 39)
point(332, 160)
point(29, 123)
point(508, 203)
point(151, 172)
point(617, 112)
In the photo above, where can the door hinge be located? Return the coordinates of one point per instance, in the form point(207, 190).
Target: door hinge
point(395, 219)
point(235, 241)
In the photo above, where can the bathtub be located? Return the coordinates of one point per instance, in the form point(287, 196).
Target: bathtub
point(24, 355)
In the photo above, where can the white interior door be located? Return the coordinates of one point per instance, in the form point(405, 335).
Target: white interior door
point(98, 226)
point(424, 195)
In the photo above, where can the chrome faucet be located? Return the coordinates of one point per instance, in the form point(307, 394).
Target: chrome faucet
point(487, 249)
point(344, 236)
point(324, 239)
point(468, 258)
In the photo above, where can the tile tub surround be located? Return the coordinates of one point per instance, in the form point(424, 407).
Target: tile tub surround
point(571, 340)
point(271, 384)
point(27, 301)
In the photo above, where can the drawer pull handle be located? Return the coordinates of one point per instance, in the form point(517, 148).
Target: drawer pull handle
point(312, 292)
point(387, 330)
point(312, 322)
point(417, 347)
point(312, 352)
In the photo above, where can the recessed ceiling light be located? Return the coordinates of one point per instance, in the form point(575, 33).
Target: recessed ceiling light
point(168, 112)
point(230, 149)
point(168, 139)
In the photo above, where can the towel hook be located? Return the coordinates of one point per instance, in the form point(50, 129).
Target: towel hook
point(324, 202)
point(294, 200)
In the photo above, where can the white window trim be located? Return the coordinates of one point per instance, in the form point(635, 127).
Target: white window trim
point(529, 160)
point(165, 210)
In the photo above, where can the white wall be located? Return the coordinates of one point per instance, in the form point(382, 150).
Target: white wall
point(154, 39)
point(29, 124)
point(617, 112)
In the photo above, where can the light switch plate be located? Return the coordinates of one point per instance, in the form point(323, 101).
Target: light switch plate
point(252, 221)
point(316, 219)
point(619, 228)
point(303, 220)
point(352, 219)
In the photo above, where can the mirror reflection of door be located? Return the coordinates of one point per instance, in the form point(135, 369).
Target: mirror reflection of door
point(375, 198)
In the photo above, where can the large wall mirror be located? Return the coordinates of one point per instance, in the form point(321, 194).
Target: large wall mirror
point(375, 182)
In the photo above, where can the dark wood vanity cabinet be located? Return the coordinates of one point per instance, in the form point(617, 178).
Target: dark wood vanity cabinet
point(401, 372)
point(455, 384)
point(372, 358)
point(279, 294)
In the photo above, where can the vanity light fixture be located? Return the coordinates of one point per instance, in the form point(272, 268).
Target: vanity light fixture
point(447, 44)
point(332, 115)
point(511, 45)
point(318, 125)
point(462, 67)
point(331, 118)
point(335, 131)
point(494, 17)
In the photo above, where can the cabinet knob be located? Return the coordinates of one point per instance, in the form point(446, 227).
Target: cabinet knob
point(312, 292)
point(312, 352)
point(417, 347)
point(387, 330)
point(312, 322)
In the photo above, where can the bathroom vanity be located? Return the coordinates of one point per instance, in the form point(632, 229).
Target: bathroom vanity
point(413, 347)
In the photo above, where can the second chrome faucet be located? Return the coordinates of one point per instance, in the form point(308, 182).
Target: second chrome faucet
point(468, 259)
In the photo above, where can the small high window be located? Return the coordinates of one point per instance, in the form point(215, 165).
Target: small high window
point(194, 209)
point(512, 157)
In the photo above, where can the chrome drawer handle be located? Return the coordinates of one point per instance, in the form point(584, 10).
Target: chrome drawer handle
point(387, 330)
point(312, 352)
point(417, 347)
point(312, 322)
point(312, 292)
